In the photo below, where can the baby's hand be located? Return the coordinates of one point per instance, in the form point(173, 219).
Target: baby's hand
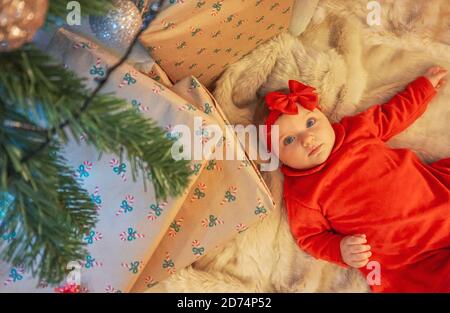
point(436, 75)
point(354, 252)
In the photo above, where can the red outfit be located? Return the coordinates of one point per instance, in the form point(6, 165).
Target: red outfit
point(365, 187)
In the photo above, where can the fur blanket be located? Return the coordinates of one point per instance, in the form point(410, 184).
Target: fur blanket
point(352, 65)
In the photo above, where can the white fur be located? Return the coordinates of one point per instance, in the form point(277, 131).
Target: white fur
point(353, 66)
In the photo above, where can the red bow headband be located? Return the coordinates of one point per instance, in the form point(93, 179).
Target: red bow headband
point(279, 103)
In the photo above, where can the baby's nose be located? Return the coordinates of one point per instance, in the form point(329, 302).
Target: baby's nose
point(308, 141)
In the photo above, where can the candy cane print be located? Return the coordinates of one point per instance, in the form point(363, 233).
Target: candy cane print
point(211, 221)
point(83, 170)
point(229, 18)
point(201, 132)
point(84, 45)
point(91, 262)
point(187, 107)
point(134, 266)
point(157, 209)
point(42, 284)
point(96, 198)
point(131, 76)
point(143, 108)
point(196, 249)
point(149, 281)
point(92, 236)
point(118, 168)
point(110, 289)
point(98, 236)
point(193, 85)
point(157, 88)
point(97, 71)
point(207, 108)
point(125, 205)
point(205, 137)
point(216, 8)
point(88, 165)
point(242, 164)
point(198, 192)
point(152, 49)
point(130, 234)
point(167, 24)
point(15, 274)
point(260, 210)
point(241, 227)
point(217, 166)
point(169, 264)
point(113, 162)
point(175, 227)
point(195, 30)
point(230, 195)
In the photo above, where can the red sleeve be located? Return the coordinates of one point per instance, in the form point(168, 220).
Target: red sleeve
point(389, 119)
point(313, 233)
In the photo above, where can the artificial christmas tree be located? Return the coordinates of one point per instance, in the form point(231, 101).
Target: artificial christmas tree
point(44, 212)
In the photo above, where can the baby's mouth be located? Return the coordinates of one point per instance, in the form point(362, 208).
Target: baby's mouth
point(315, 150)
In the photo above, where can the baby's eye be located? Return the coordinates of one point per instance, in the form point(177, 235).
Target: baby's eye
point(288, 140)
point(310, 122)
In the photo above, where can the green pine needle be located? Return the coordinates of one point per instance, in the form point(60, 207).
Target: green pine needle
point(52, 212)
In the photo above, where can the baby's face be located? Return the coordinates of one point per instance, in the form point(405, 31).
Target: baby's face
point(306, 139)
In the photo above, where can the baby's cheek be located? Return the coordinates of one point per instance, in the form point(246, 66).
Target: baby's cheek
point(293, 154)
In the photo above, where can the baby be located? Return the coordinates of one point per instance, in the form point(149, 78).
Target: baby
point(350, 198)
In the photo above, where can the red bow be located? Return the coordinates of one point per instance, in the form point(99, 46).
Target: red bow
point(304, 95)
point(279, 103)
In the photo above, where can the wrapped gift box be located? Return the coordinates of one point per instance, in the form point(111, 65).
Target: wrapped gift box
point(201, 38)
point(139, 241)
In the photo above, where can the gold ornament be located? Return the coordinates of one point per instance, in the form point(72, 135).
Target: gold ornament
point(19, 21)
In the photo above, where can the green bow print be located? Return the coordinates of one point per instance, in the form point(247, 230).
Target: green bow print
point(175, 227)
point(168, 263)
point(134, 267)
point(229, 196)
point(212, 221)
point(198, 251)
point(156, 209)
point(198, 193)
point(131, 234)
point(120, 169)
point(211, 165)
point(260, 210)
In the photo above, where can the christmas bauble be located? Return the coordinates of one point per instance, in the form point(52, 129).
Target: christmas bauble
point(19, 21)
point(119, 26)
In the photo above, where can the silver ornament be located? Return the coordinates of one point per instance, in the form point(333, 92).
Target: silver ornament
point(119, 26)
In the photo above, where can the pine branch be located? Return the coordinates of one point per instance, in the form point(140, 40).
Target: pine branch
point(41, 105)
point(49, 217)
point(24, 75)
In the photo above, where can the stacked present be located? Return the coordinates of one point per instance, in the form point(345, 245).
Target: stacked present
point(139, 241)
